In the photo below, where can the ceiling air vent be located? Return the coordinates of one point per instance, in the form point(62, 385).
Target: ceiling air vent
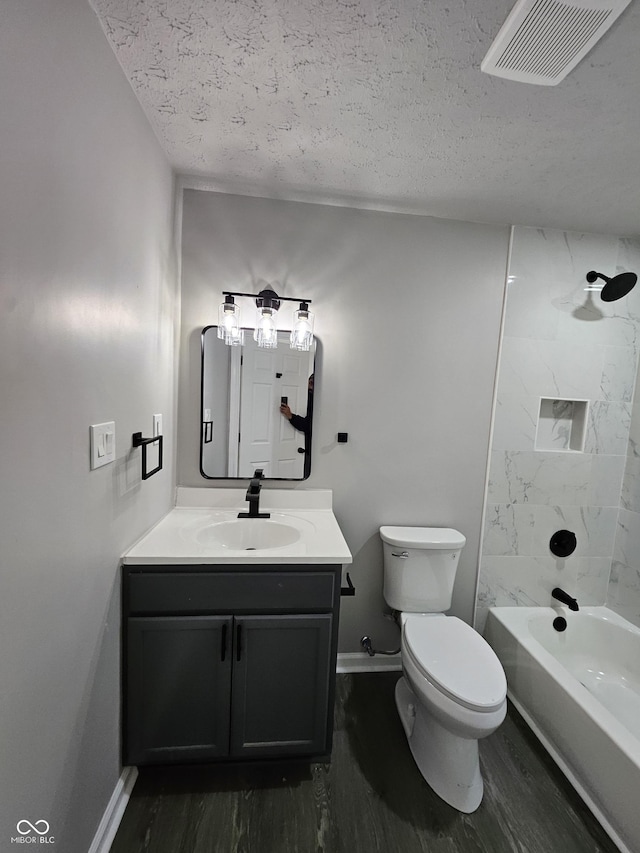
point(542, 40)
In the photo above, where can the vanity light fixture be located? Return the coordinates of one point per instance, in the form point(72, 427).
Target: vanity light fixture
point(302, 333)
point(229, 328)
point(266, 329)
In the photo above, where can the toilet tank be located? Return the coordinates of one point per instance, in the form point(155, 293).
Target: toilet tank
point(420, 565)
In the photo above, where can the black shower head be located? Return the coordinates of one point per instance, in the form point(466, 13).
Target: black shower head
point(616, 287)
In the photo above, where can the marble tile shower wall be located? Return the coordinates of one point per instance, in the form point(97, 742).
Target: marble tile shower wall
point(562, 343)
point(624, 583)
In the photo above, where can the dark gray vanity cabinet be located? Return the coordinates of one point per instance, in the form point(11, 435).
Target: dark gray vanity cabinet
point(229, 663)
point(178, 688)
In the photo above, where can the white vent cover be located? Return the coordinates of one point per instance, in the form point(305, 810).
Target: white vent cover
point(542, 40)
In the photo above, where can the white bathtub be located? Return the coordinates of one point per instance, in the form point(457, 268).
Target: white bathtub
point(579, 690)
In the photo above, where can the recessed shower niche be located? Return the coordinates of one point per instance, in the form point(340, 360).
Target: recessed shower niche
point(562, 425)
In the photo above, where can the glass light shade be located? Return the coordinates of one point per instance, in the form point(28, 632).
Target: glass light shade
point(302, 332)
point(229, 329)
point(266, 331)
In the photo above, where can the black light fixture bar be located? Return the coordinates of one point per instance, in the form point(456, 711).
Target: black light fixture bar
point(266, 294)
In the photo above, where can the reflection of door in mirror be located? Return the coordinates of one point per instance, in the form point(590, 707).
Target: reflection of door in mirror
point(267, 439)
point(242, 426)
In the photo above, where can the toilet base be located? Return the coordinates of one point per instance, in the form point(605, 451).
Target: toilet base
point(448, 762)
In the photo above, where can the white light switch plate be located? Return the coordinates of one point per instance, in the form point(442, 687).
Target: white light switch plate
point(157, 425)
point(103, 443)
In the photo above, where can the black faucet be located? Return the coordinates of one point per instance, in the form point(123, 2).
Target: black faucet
point(565, 598)
point(253, 496)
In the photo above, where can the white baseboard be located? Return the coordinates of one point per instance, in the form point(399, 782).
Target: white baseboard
point(106, 832)
point(362, 662)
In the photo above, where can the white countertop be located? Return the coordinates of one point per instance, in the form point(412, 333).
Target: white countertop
point(186, 535)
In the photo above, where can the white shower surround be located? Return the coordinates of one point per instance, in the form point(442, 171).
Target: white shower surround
point(624, 584)
point(561, 342)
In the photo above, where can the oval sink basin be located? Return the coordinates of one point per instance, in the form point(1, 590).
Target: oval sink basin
point(249, 534)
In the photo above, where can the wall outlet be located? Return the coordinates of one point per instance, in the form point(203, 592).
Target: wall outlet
point(103, 444)
point(157, 425)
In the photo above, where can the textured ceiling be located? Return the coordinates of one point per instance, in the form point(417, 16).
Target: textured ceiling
point(381, 103)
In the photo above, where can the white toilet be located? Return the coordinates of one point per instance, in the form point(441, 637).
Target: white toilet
point(454, 688)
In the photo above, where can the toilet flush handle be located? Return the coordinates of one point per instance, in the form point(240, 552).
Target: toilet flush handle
point(403, 555)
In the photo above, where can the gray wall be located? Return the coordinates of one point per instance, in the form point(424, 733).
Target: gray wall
point(408, 314)
point(87, 334)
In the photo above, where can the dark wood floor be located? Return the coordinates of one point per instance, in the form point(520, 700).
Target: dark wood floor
point(370, 798)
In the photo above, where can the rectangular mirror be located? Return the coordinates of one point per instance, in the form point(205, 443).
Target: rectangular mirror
point(256, 408)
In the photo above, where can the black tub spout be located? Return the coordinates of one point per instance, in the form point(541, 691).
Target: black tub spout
point(565, 598)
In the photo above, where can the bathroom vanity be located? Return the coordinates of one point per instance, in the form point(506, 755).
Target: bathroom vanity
point(230, 630)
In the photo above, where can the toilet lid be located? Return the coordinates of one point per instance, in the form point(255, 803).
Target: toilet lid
point(432, 538)
point(457, 660)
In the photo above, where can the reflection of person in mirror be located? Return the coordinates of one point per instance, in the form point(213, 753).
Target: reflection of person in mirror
point(301, 422)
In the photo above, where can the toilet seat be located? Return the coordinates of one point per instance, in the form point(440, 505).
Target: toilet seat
point(456, 660)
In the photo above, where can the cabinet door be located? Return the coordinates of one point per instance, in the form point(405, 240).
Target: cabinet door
point(178, 688)
point(281, 680)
